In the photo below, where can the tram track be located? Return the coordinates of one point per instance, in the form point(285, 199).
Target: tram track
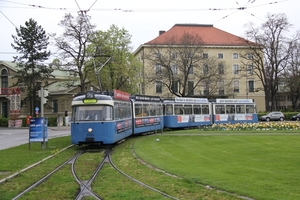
point(85, 186)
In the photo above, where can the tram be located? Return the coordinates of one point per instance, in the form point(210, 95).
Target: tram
point(187, 112)
point(234, 111)
point(101, 118)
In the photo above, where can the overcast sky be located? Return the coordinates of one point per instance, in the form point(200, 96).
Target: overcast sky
point(143, 19)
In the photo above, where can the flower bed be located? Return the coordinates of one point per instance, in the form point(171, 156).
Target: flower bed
point(254, 126)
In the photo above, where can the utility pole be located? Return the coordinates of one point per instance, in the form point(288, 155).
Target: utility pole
point(42, 101)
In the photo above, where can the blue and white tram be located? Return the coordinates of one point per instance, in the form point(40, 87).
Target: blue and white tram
point(147, 114)
point(101, 118)
point(234, 111)
point(187, 112)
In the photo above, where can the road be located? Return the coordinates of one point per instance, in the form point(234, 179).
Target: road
point(10, 137)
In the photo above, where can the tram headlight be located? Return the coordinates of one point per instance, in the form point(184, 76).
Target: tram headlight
point(90, 130)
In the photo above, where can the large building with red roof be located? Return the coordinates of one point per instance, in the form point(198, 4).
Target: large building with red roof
point(199, 61)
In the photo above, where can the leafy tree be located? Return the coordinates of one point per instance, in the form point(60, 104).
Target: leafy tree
point(183, 59)
point(269, 54)
point(31, 43)
point(72, 46)
point(120, 73)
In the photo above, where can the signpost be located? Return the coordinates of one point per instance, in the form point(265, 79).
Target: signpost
point(38, 131)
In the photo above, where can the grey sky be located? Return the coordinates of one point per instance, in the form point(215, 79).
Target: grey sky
point(143, 19)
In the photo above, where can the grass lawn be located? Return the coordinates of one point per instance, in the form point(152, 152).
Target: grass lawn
point(259, 166)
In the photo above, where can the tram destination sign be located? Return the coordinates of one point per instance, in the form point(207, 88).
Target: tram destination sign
point(147, 98)
point(118, 94)
point(234, 100)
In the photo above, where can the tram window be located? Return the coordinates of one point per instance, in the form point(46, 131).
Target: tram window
point(240, 109)
point(220, 109)
point(107, 113)
point(152, 110)
point(90, 113)
point(250, 109)
point(125, 111)
point(197, 109)
point(121, 110)
point(158, 108)
point(188, 109)
point(205, 109)
point(146, 109)
point(178, 109)
point(169, 109)
point(138, 109)
point(128, 110)
point(230, 109)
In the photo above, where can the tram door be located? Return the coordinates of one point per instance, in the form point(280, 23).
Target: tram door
point(4, 110)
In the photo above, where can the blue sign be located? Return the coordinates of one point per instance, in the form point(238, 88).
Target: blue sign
point(38, 130)
point(37, 109)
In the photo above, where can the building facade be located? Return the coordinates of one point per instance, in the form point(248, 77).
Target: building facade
point(212, 63)
point(12, 98)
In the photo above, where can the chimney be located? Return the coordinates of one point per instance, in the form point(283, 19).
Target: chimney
point(161, 32)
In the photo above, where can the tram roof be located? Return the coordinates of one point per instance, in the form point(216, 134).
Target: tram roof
point(97, 96)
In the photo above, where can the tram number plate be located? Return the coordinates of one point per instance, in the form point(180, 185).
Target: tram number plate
point(89, 139)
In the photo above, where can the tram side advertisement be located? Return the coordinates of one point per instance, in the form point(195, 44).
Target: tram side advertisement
point(141, 122)
point(233, 117)
point(123, 126)
point(193, 118)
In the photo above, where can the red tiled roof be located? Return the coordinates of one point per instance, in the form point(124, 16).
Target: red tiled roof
point(209, 34)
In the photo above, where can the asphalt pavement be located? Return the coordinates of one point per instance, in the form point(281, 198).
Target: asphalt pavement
point(13, 136)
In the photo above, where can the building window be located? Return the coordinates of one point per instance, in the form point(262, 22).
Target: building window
point(250, 69)
point(205, 55)
point(235, 69)
point(221, 87)
point(189, 55)
point(157, 55)
point(55, 106)
point(191, 69)
point(236, 86)
point(221, 69)
point(281, 86)
point(174, 69)
point(158, 70)
point(158, 87)
point(206, 92)
point(251, 86)
point(205, 69)
point(4, 82)
point(190, 88)
point(175, 86)
point(220, 56)
point(173, 56)
point(250, 56)
point(235, 56)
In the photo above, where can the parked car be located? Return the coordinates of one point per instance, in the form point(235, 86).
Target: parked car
point(273, 116)
point(296, 117)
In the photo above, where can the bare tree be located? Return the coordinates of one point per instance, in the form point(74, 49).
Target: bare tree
point(183, 66)
point(291, 75)
point(72, 46)
point(268, 54)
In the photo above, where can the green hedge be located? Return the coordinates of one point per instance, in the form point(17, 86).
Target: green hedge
point(3, 122)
